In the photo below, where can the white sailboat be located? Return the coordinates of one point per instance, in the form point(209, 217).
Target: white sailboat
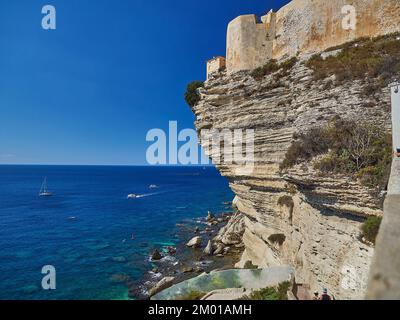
point(44, 192)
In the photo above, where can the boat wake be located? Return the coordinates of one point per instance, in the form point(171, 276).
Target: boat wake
point(137, 196)
point(146, 195)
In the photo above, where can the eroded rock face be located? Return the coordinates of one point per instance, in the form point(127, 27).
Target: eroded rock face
point(161, 285)
point(232, 233)
point(319, 216)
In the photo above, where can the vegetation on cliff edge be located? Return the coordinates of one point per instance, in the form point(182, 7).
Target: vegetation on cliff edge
point(273, 66)
point(249, 265)
point(191, 95)
point(362, 59)
point(360, 149)
point(271, 293)
point(278, 238)
point(370, 228)
point(192, 295)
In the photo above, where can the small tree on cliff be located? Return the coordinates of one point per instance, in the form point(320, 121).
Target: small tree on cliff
point(191, 95)
point(370, 228)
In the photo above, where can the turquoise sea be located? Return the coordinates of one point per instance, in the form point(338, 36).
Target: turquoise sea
point(88, 230)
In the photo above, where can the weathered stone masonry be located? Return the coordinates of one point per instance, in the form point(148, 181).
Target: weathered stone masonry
point(304, 27)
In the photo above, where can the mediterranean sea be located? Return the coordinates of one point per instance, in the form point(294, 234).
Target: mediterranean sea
point(88, 229)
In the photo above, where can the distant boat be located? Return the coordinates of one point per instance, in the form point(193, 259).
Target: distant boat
point(132, 196)
point(44, 192)
point(153, 186)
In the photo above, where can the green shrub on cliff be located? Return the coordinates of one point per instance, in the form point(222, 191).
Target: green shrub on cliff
point(286, 201)
point(272, 66)
point(370, 228)
point(268, 68)
point(361, 59)
point(359, 149)
point(250, 265)
point(287, 65)
point(306, 147)
point(192, 295)
point(278, 238)
point(271, 293)
point(191, 95)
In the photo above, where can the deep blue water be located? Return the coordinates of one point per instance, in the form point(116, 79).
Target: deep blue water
point(85, 252)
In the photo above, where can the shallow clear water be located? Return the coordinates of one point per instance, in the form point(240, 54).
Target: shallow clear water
point(88, 250)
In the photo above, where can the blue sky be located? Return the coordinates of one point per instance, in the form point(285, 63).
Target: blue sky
point(88, 92)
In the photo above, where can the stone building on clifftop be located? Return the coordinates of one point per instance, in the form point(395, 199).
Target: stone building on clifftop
point(303, 27)
point(215, 65)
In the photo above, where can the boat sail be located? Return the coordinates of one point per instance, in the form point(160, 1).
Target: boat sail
point(44, 192)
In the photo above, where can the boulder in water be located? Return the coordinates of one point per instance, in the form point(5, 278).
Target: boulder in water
point(194, 242)
point(187, 269)
point(208, 250)
point(156, 255)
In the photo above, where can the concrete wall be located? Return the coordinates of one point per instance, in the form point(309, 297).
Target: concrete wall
point(396, 116)
point(305, 26)
point(384, 280)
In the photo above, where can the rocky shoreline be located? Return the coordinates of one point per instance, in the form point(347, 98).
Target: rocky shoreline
point(207, 244)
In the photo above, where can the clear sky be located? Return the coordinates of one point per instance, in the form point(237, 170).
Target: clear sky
point(88, 92)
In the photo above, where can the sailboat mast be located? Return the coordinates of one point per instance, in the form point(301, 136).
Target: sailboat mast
point(43, 190)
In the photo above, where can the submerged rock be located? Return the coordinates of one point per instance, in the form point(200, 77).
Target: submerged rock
point(119, 259)
point(194, 242)
point(171, 250)
point(30, 289)
point(120, 278)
